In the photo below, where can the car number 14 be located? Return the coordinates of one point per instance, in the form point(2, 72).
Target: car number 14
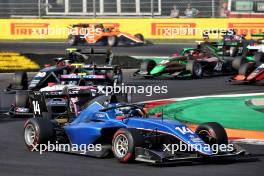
point(36, 107)
point(184, 130)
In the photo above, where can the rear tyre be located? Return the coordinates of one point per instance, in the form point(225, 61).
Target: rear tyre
point(112, 40)
point(247, 68)
point(21, 98)
point(124, 142)
point(118, 75)
point(82, 82)
point(140, 37)
point(38, 131)
point(195, 68)
point(259, 58)
point(115, 76)
point(237, 62)
point(212, 133)
point(233, 51)
point(73, 40)
point(20, 80)
point(122, 98)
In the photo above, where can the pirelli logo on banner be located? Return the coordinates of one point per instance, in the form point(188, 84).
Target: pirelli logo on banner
point(29, 28)
point(173, 29)
point(247, 28)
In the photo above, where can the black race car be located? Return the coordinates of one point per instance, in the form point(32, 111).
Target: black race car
point(69, 66)
point(73, 70)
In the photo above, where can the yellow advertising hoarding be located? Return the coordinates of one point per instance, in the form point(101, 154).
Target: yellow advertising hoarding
point(151, 28)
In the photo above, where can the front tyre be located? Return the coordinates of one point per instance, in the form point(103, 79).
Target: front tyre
point(73, 40)
point(124, 143)
point(38, 131)
point(20, 80)
point(146, 66)
point(195, 68)
point(140, 37)
point(212, 133)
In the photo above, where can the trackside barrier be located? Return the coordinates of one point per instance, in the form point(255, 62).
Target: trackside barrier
point(172, 28)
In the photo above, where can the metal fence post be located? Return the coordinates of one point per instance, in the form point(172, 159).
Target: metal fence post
point(94, 8)
point(39, 8)
point(213, 8)
point(152, 8)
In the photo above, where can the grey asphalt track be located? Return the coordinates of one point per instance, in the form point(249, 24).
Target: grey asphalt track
point(59, 48)
point(16, 160)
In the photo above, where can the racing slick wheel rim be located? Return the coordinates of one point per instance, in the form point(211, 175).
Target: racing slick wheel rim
point(71, 40)
point(121, 145)
point(197, 69)
point(207, 137)
point(30, 135)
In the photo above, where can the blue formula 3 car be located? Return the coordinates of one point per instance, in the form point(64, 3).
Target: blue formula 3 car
point(127, 132)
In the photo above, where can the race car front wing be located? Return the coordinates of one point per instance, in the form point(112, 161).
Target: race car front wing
point(159, 157)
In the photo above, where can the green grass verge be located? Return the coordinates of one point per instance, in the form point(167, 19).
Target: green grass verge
point(231, 112)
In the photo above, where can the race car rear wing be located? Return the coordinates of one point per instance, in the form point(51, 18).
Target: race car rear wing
point(91, 52)
point(37, 99)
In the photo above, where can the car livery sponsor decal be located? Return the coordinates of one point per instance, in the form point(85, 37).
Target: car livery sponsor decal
point(85, 76)
point(247, 28)
point(173, 29)
point(29, 28)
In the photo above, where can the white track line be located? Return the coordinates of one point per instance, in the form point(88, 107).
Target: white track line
point(208, 96)
point(248, 141)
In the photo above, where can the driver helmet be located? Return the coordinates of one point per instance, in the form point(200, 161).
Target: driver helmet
point(99, 25)
point(67, 62)
point(118, 112)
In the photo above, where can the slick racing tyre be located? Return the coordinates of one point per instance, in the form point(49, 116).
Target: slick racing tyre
point(237, 62)
point(195, 68)
point(73, 40)
point(212, 133)
point(233, 51)
point(21, 99)
point(124, 142)
point(118, 75)
point(115, 76)
point(122, 98)
point(259, 58)
point(247, 68)
point(20, 80)
point(38, 131)
point(147, 66)
point(112, 40)
point(140, 37)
